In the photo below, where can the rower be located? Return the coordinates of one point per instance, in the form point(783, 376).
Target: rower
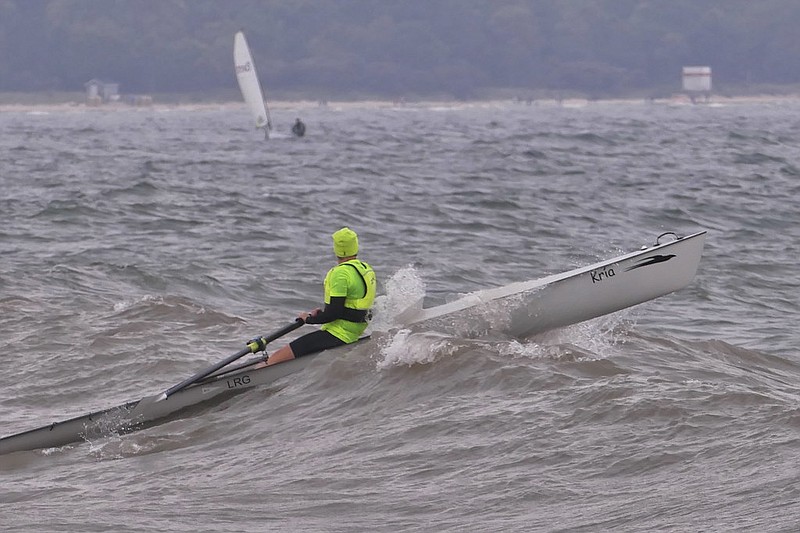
point(350, 288)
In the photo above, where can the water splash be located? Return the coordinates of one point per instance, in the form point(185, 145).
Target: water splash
point(405, 348)
point(405, 291)
point(595, 339)
point(124, 305)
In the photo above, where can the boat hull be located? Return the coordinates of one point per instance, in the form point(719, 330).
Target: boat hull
point(528, 308)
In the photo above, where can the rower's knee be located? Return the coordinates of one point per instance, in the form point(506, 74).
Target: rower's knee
point(280, 355)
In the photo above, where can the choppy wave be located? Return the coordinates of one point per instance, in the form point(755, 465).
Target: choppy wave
point(139, 247)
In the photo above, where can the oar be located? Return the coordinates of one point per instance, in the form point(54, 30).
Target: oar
point(252, 347)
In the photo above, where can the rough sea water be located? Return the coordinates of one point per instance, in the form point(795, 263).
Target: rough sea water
point(139, 246)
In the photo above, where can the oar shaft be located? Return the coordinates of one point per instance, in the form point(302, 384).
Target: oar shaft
point(228, 360)
point(286, 329)
point(200, 375)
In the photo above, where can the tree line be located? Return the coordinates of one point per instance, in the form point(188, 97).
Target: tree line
point(458, 48)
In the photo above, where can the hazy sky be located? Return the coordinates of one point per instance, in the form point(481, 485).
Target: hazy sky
point(462, 48)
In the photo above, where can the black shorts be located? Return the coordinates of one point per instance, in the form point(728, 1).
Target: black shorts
point(314, 342)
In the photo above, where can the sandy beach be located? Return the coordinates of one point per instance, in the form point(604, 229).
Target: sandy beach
point(677, 99)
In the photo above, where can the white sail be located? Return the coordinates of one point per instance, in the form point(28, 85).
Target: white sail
point(248, 82)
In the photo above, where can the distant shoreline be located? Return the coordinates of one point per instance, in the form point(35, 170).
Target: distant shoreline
point(30, 104)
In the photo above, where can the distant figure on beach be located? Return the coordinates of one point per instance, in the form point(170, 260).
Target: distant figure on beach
point(299, 129)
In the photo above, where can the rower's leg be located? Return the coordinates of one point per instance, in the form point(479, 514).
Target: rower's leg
point(280, 355)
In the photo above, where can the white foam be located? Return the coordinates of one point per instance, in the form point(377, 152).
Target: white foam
point(405, 291)
point(405, 348)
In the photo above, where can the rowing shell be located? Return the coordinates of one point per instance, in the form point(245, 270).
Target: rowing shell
point(519, 309)
point(532, 307)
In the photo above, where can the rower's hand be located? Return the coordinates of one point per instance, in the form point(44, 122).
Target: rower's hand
point(259, 344)
point(304, 316)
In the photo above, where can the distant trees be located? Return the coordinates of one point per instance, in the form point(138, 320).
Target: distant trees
point(458, 47)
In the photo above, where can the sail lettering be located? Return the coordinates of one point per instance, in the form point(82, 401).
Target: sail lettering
point(238, 382)
point(600, 275)
point(243, 68)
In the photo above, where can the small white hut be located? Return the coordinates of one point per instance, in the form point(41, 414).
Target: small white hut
point(697, 81)
point(101, 91)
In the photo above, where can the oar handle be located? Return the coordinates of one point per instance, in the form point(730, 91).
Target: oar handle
point(244, 351)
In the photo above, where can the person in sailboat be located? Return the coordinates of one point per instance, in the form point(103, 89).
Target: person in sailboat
point(299, 129)
point(349, 289)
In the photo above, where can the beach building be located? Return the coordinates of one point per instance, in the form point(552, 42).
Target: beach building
point(697, 82)
point(100, 92)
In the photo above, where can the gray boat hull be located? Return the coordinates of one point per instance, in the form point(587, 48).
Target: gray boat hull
point(532, 307)
point(136, 415)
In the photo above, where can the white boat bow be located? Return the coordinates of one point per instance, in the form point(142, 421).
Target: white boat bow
point(526, 308)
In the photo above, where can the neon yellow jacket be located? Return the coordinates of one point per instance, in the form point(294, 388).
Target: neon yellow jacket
point(356, 282)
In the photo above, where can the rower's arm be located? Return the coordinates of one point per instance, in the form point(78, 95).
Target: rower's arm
point(332, 311)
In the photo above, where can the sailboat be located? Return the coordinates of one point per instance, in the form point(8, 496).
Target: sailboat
point(249, 84)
